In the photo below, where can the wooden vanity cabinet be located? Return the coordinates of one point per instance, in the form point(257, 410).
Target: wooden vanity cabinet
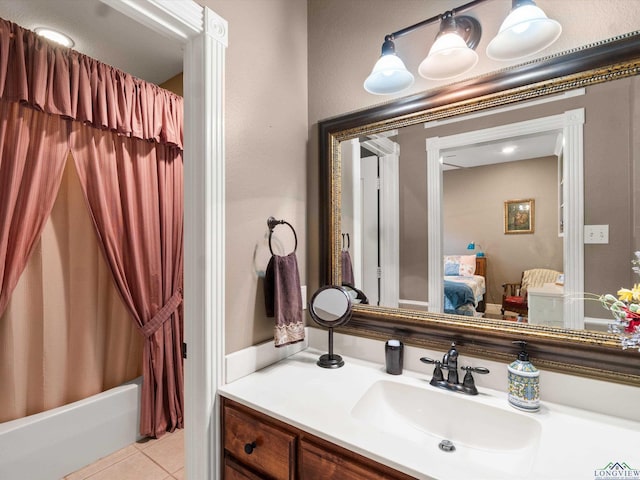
point(257, 446)
point(481, 269)
point(258, 443)
point(235, 471)
point(322, 460)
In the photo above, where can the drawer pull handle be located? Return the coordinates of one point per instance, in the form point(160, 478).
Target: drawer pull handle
point(250, 447)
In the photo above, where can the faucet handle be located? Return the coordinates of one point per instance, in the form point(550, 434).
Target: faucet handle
point(437, 363)
point(468, 384)
point(429, 360)
point(437, 372)
point(481, 370)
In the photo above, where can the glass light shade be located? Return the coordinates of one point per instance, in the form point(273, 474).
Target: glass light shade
point(449, 57)
point(525, 31)
point(389, 75)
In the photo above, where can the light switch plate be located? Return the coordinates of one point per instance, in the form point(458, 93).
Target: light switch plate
point(596, 234)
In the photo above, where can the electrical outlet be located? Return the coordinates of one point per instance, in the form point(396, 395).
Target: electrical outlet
point(596, 234)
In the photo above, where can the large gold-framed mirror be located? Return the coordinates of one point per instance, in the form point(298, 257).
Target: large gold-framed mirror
point(571, 347)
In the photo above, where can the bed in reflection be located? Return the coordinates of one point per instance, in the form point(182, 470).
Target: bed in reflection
point(465, 284)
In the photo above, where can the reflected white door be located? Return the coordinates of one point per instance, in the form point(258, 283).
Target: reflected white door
point(370, 228)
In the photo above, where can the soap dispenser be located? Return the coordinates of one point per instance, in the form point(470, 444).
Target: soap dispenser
point(524, 386)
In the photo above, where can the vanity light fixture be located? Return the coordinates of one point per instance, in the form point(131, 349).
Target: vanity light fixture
point(389, 75)
point(55, 36)
point(452, 53)
point(525, 31)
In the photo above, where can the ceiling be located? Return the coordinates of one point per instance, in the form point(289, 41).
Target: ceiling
point(103, 33)
point(524, 147)
point(521, 148)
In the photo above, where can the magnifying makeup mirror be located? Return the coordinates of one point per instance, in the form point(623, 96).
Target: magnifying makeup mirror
point(330, 307)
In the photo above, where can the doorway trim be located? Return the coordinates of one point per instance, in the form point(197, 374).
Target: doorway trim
point(571, 123)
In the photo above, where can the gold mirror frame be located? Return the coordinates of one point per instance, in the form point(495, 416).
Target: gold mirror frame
point(584, 353)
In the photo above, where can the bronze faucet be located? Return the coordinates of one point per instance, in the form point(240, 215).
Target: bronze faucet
point(450, 363)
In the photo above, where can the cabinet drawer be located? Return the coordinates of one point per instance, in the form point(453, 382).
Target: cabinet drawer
point(259, 445)
point(329, 462)
point(235, 471)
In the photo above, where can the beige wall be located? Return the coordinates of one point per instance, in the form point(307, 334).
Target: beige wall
point(266, 149)
point(611, 159)
point(174, 84)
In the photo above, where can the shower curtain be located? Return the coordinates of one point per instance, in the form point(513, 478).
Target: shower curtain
point(126, 139)
point(65, 334)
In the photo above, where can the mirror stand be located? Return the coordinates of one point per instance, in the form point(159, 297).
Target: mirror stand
point(330, 307)
point(330, 360)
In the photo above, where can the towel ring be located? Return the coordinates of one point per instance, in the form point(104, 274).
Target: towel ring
point(348, 242)
point(273, 223)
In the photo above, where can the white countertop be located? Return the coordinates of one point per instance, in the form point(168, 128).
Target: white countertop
point(573, 443)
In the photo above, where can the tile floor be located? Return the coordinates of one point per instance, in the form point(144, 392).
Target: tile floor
point(149, 459)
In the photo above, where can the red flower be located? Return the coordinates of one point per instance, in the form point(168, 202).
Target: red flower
point(632, 325)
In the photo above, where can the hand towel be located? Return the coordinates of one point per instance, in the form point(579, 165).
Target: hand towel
point(283, 299)
point(347, 268)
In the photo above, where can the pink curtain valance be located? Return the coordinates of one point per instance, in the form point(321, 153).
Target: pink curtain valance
point(64, 82)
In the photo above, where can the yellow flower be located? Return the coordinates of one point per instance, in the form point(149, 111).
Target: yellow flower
point(627, 295)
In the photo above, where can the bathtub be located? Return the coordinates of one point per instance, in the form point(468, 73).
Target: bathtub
point(52, 444)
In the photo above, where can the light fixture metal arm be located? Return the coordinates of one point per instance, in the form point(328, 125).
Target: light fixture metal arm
point(434, 19)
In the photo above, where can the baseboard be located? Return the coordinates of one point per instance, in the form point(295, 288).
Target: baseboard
point(415, 304)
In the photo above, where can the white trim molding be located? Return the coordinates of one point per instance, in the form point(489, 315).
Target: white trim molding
point(390, 226)
point(179, 20)
point(435, 269)
point(204, 245)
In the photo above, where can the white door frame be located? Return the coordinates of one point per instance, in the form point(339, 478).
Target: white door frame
point(390, 222)
point(204, 36)
point(389, 153)
point(571, 123)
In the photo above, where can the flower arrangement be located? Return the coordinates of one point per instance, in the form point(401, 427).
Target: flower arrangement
point(626, 310)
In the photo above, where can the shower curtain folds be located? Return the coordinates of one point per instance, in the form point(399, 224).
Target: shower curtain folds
point(63, 82)
point(33, 150)
point(134, 193)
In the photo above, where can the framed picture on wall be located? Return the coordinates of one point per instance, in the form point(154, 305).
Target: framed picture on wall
point(519, 216)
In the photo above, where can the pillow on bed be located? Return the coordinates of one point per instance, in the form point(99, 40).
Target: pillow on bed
point(451, 266)
point(467, 265)
point(459, 265)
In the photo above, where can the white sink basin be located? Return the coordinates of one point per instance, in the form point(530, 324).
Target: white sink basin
point(482, 434)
